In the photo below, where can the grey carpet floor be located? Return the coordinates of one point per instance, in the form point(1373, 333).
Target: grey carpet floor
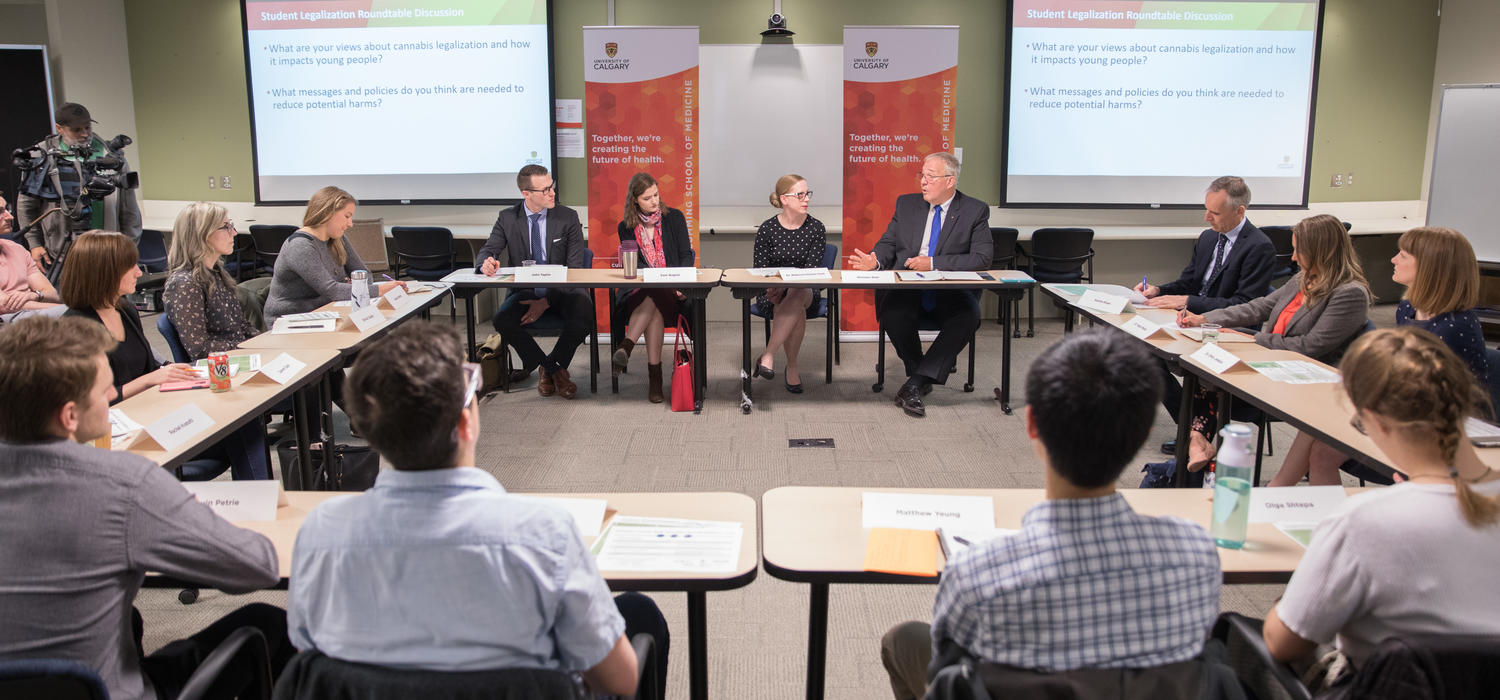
point(757, 635)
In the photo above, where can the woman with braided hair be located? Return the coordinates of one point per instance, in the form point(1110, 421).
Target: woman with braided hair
point(1417, 558)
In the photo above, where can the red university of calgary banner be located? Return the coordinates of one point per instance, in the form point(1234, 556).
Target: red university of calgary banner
point(900, 88)
point(641, 114)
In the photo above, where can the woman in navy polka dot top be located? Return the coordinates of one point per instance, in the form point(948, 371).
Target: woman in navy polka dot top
point(789, 239)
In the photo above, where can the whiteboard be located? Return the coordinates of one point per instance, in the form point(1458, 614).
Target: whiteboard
point(1466, 167)
point(769, 110)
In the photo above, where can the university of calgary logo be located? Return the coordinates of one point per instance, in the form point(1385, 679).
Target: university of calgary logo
point(871, 48)
point(612, 48)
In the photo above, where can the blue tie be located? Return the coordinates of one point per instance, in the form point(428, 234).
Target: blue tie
point(929, 298)
point(538, 249)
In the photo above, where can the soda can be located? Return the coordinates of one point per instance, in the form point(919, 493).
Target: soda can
point(218, 372)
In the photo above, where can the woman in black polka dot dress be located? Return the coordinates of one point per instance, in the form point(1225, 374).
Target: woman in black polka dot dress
point(789, 239)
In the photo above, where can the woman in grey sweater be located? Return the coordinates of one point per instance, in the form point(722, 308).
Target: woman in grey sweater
point(1318, 313)
point(314, 265)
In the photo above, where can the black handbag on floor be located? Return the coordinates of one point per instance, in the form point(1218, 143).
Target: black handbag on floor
point(354, 467)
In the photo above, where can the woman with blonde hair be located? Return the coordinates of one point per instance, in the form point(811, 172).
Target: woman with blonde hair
point(101, 271)
point(1441, 276)
point(792, 238)
point(1318, 312)
point(314, 264)
point(1414, 559)
point(200, 295)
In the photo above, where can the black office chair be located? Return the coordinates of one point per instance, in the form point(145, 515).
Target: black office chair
point(1281, 237)
point(311, 674)
point(826, 307)
point(1204, 677)
point(549, 324)
point(242, 263)
point(152, 249)
point(1004, 240)
point(268, 239)
point(239, 667)
point(425, 253)
point(1058, 255)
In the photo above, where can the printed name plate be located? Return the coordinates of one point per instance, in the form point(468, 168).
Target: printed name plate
point(282, 369)
point(1215, 358)
point(876, 276)
point(1103, 303)
point(542, 273)
point(237, 501)
point(809, 273)
point(922, 511)
point(179, 426)
point(654, 275)
point(366, 317)
point(1139, 327)
point(396, 297)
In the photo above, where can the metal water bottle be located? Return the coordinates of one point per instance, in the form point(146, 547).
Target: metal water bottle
point(1234, 472)
point(359, 289)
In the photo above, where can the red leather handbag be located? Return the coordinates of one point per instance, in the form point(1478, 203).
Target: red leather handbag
point(683, 379)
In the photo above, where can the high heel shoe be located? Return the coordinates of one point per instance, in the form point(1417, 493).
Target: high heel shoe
point(793, 388)
point(763, 371)
point(1200, 451)
point(621, 357)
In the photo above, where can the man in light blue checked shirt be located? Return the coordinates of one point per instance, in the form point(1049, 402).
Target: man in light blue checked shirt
point(1087, 582)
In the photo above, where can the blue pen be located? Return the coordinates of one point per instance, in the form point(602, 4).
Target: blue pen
point(1143, 283)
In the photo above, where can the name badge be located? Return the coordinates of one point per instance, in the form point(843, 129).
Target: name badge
point(1139, 327)
point(237, 501)
point(792, 274)
point(1294, 503)
point(869, 276)
point(282, 369)
point(1215, 358)
point(367, 317)
point(542, 273)
point(396, 297)
point(1103, 303)
point(179, 426)
point(922, 511)
point(669, 274)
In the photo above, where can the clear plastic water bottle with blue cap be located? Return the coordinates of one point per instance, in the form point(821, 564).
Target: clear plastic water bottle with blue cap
point(1233, 475)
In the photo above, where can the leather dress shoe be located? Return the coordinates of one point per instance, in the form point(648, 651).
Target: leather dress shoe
point(519, 375)
point(1169, 447)
point(544, 384)
point(565, 386)
point(926, 389)
point(909, 398)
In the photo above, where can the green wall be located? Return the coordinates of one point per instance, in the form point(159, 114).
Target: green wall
point(1374, 91)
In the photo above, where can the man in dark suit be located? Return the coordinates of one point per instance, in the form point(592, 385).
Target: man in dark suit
point(537, 229)
point(1232, 260)
point(939, 229)
point(1232, 264)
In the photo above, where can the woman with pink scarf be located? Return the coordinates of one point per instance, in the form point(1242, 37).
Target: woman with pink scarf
point(661, 235)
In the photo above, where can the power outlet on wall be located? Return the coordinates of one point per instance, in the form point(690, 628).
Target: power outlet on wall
point(212, 182)
point(1349, 179)
point(1338, 180)
point(224, 183)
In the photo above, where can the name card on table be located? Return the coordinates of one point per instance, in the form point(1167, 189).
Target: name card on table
point(875, 276)
point(792, 274)
point(1294, 503)
point(923, 511)
point(653, 275)
point(366, 317)
point(542, 273)
point(175, 428)
point(282, 369)
point(396, 298)
point(237, 501)
point(1103, 303)
point(1215, 358)
point(1139, 327)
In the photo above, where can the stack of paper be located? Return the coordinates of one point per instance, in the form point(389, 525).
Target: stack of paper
point(237, 364)
point(669, 544)
point(120, 425)
point(1295, 372)
point(918, 275)
point(954, 540)
point(901, 551)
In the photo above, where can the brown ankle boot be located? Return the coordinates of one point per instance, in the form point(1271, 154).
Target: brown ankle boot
point(653, 390)
point(621, 358)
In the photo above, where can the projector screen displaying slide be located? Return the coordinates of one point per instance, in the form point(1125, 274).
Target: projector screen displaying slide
point(1115, 103)
point(398, 100)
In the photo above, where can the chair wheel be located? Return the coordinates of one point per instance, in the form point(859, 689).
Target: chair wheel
point(877, 387)
point(187, 596)
point(968, 388)
point(1029, 334)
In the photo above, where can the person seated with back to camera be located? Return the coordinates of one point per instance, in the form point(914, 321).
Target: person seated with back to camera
point(1415, 559)
point(1087, 582)
point(470, 577)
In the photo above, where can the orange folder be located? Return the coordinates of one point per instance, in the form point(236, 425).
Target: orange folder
point(910, 552)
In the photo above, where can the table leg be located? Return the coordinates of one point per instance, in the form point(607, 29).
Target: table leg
point(747, 394)
point(469, 324)
point(1184, 427)
point(697, 645)
point(817, 640)
point(700, 342)
point(593, 347)
point(292, 475)
point(1005, 355)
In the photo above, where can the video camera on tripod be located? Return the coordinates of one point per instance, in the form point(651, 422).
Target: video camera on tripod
point(73, 178)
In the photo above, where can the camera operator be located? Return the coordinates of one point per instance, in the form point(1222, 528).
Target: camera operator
point(73, 181)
